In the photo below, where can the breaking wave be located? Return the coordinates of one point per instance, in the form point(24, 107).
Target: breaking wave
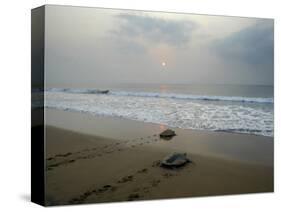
point(164, 95)
point(228, 114)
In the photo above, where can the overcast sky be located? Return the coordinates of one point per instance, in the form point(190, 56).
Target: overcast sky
point(88, 46)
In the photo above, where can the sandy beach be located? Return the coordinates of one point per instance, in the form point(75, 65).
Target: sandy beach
point(107, 83)
point(92, 159)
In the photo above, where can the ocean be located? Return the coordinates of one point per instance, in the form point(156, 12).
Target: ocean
point(228, 108)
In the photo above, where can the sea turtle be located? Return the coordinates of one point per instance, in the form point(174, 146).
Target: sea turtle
point(175, 160)
point(167, 133)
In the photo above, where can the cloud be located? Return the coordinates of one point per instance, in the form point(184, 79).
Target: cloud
point(252, 45)
point(155, 30)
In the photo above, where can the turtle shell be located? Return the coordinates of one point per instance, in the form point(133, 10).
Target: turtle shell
point(175, 160)
point(167, 133)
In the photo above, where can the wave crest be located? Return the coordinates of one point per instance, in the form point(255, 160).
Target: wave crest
point(164, 95)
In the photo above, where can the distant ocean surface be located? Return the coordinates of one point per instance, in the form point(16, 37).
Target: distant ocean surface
point(228, 108)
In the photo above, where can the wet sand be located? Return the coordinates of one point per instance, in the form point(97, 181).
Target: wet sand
point(96, 159)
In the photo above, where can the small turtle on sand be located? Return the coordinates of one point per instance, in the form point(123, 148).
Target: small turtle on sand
point(167, 133)
point(175, 160)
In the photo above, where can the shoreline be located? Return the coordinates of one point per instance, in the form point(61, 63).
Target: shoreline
point(113, 160)
point(195, 140)
point(151, 123)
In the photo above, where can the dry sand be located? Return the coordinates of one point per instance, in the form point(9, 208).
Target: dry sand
point(118, 160)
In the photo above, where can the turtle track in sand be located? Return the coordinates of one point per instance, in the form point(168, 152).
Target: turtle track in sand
point(136, 193)
point(67, 158)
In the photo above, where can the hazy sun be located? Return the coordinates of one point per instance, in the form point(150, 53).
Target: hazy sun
point(163, 63)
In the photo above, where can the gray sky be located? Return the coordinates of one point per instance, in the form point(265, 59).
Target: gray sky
point(88, 46)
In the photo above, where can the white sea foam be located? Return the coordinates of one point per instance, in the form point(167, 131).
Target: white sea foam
point(165, 95)
point(251, 117)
